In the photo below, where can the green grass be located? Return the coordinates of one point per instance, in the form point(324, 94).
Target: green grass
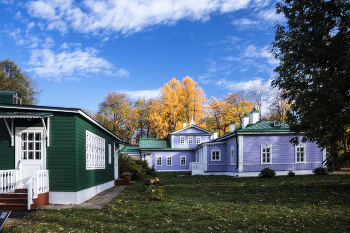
point(212, 204)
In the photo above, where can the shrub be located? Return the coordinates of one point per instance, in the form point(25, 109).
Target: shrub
point(152, 181)
point(152, 172)
point(128, 164)
point(267, 173)
point(320, 171)
point(142, 163)
point(155, 192)
point(291, 173)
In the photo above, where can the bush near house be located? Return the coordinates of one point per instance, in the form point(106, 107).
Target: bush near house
point(320, 171)
point(267, 173)
point(128, 164)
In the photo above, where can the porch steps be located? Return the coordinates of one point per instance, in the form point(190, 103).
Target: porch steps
point(123, 182)
point(14, 201)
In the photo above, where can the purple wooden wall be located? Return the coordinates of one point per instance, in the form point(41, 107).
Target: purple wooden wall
point(176, 155)
point(283, 153)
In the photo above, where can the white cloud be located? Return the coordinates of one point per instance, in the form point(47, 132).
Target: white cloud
point(270, 16)
point(253, 52)
point(30, 26)
point(245, 23)
point(242, 85)
point(46, 63)
point(125, 16)
point(143, 93)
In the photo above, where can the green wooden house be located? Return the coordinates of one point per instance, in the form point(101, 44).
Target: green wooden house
point(61, 154)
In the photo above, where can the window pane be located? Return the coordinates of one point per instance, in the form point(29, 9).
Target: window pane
point(37, 137)
point(24, 146)
point(30, 155)
point(30, 136)
point(37, 155)
point(24, 155)
point(24, 136)
point(37, 146)
point(30, 146)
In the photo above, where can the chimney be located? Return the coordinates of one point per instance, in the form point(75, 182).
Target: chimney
point(184, 124)
point(254, 116)
point(215, 135)
point(231, 127)
point(245, 121)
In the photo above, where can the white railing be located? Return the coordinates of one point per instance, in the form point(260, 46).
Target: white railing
point(37, 183)
point(7, 181)
point(196, 167)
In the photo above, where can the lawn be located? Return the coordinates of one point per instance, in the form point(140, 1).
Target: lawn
point(211, 204)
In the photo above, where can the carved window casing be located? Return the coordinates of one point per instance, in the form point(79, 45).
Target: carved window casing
point(216, 154)
point(300, 156)
point(232, 153)
point(190, 140)
point(159, 161)
point(169, 161)
point(95, 151)
point(183, 160)
point(266, 153)
point(182, 140)
point(198, 140)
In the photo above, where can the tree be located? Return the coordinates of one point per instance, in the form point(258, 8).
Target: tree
point(259, 94)
point(238, 105)
point(278, 108)
point(191, 98)
point(13, 79)
point(114, 113)
point(314, 53)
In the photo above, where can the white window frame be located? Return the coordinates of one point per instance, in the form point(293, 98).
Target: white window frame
point(190, 140)
point(159, 159)
point(232, 153)
point(182, 158)
point(219, 154)
point(182, 140)
point(198, 140)
point(169, 158)
point(265, 150)
point(95, 151)
point(297, 150)
point(109, 154)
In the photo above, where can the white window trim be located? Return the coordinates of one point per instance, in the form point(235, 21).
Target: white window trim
point(198, 140)
point(215, 150)
point(171, 161)
point(159, 157)
point(182, 142)
point(190, 140)
point(181, 157)
point(296, 152)
point(95, 151)
point(232, 153)
point(265, 146)
point(109, 154)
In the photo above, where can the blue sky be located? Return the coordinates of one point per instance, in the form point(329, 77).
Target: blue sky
point(78, 51)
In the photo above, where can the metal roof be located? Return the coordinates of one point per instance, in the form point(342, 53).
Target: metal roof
point(191, 126)
point(131, 149)
point(60, 109)
point(264, 126)
point(24, 115)
point(154, 143)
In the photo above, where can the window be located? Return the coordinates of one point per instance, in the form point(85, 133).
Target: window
point(190, 140)
point(183, 160)
point(109, 154)
point(266, 154)
point(31, 146)
point(159, 161)
point(169, 161)
point(182, 140)
point(95, 151)
point(232, 155)
point(215, 154)
point(198, 140)
point(300, 153)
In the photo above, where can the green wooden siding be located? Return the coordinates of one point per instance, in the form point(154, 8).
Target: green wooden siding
point(61, 154)
point(90, 178)
point(66, 154)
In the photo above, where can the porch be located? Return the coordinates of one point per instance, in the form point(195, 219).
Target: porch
point(35, 194)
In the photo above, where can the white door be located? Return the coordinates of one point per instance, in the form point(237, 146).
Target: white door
point(149, 160)
point(30, 153)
